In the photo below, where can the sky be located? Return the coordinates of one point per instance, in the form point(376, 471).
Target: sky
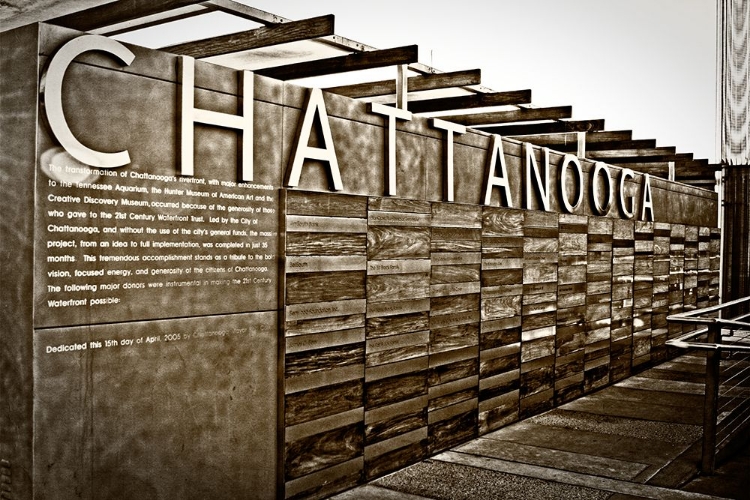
point(643, 65)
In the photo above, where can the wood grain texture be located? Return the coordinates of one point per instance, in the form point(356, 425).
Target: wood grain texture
point(455, 274)
point(395, 287)
point(331, 244)
point(457, 216)
point(322, 402)
point(456, 304)
point(451, 432)
point(265, 36)
point(454, 337)
point(455, 239)
point(394, 325)
point(396, 459)
point(325, 286)
point(340, 64)
point(502, 222)
point(325, 204)
point(316, 325)
point(415, 83)
point(387, 242)
point(317, 360)
point(394, 389)
point(323, 450)
point(388, 204)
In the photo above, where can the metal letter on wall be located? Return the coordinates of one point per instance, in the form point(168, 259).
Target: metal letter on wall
point(541, 187)
point(571, 207)
point(598, 207)
point(450, 128)
point(303, 150)
point(647, 202)
point(629, 213)
point(52, 82)
point(495, 151)
point(190, 115)
point(390, 141)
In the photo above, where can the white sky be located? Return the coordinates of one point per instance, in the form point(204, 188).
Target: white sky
point(643, 65)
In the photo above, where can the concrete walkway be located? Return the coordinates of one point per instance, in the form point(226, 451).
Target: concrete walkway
point(640, 438)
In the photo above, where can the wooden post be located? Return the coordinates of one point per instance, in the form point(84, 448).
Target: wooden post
point(581, 136)
point(401, 87)
point(708, 457)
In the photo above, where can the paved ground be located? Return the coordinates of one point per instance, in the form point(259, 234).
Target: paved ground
point(639, 438)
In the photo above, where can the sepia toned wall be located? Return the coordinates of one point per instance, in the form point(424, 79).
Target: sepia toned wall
point(206, 336)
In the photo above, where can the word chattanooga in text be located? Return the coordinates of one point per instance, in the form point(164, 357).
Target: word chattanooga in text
point(537, 181)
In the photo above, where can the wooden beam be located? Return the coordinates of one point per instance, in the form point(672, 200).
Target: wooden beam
point(247, 12)
point(565, 138)
point(119, 12)
point(656, 169)
point(415, 84)
point(153, 20)
point(570, 145)
point(338, 41)
point(621, 145)
point(471, 101)
point(595, 136)
point(515, 115)
point(697, 169)
point(557, 127)
point(261, 37)
point(637, 155)
point(690, 171)
point(342, 64)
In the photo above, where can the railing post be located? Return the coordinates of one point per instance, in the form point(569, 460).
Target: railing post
point(713, 358)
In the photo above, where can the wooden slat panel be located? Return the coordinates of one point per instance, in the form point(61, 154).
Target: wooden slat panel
point(252, 39)
point(343, 64)
point(471, 101)
point(414, 84)
point(516, 115)
point(547, 128)
point(117, 12)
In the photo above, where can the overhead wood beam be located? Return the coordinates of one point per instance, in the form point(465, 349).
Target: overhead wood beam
point(119, 12)
point(434, 81)
point(343, 64)
point(557, 127)
point(595, 136)
point(697, 169)
point(515, 115)
point(566, 138)
point(471, 101)
point(152, 20)
point(571, 145)
point(635, 155)
point(261, 37)
point(337, 41)
point(621, 145)
point(247, 12)
point(656, 169)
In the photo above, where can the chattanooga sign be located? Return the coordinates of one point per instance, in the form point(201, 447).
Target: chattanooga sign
point(536, 186)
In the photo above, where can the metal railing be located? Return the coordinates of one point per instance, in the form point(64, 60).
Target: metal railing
point(726, 413)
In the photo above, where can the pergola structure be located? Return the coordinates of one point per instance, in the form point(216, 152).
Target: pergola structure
point(312, 49)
